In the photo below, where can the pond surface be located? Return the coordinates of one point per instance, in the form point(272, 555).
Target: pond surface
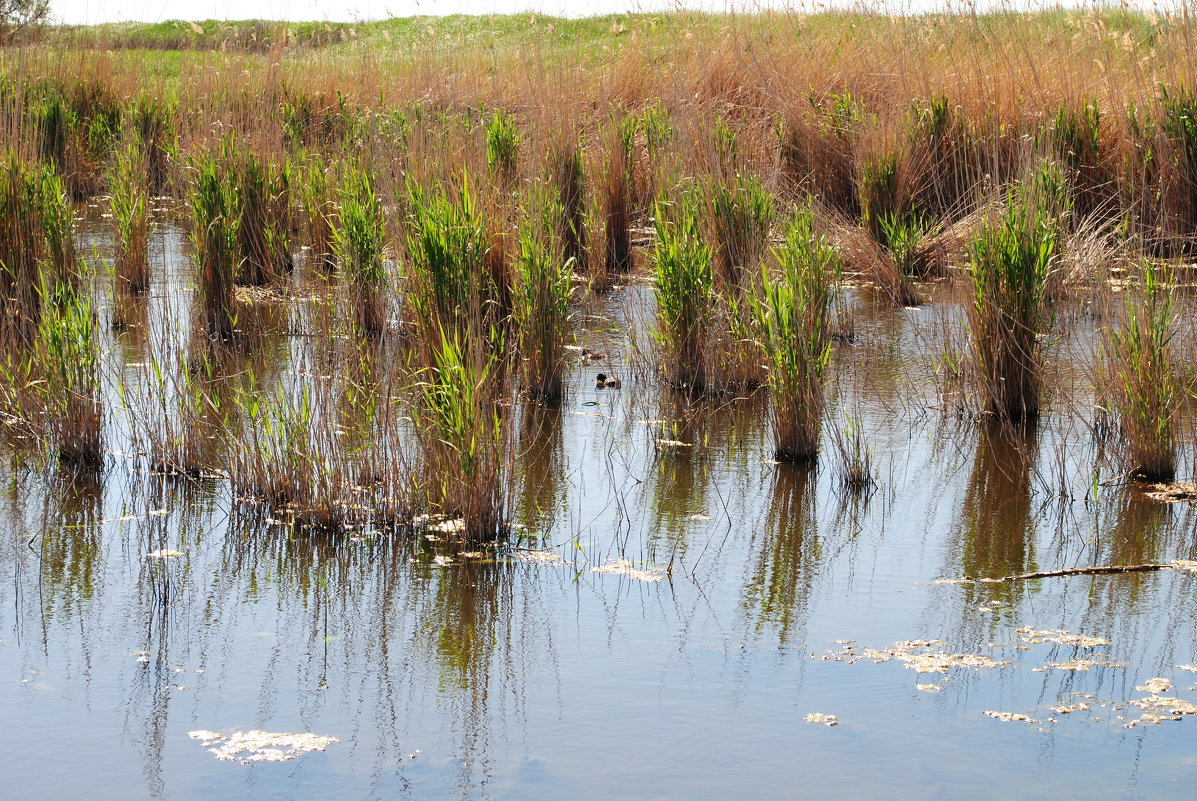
point(662, 627)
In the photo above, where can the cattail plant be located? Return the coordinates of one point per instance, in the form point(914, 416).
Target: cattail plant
point(793, 316)
point(541, 298)
point(129, 187)
point(215, 221)
point(1145, 392)
point(1011, 259)
point(360, 239)
point(685, 291)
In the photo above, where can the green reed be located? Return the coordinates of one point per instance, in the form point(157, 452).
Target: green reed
point(793, 316)
point(450, 287)
point(741, 215)
point(215, 222)
point(565, 161)
point(1145, 391)
point(264, 195)
point(316, 201)
point(462, 430)
point(1011, 260)
point(37, 242)
point(503, 141)
point(685, 291)
point(70, 390)
point(129, 188)
point(360, 238)
point(541, 299)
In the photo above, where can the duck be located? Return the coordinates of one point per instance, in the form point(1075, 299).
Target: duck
point(587, 353)
point(602, 382)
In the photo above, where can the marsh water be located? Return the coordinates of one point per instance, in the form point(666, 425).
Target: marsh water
point(671, 610)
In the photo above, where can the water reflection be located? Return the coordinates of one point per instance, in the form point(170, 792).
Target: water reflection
point(542, 498)
point(996, 528)
point(785, 557)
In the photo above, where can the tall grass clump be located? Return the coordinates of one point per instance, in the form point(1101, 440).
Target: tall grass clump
point(685, 291)
point(315, 196)
point(360, 236)
point(463, 435)
point(891, 222)
point(450, 286)
point(460, 340)
point(741, 215)
point(1077, 135)
point(215, 222)
point(1142, 382)
point(1178, 123)
point(565, 161)
point(903, 237)
point(793, 314)
point(503, 141)
point(129, 187)
point(615, 208)
point(71, 388)
point(264, 194)
point(1010, 262)
point(37, 242)
point(50, 387)
point(155, 122)
point(541, 299)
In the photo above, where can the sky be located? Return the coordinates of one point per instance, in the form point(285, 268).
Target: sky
point(95, 11)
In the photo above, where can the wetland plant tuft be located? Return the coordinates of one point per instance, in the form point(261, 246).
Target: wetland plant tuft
point(685, 291)
point(1143, 384)
point(1010, 261)
point(793, 315)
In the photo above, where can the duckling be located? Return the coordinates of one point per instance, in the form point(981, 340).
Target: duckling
point(601, 382)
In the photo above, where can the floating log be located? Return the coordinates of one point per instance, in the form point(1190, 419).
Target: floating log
point(1095, 570)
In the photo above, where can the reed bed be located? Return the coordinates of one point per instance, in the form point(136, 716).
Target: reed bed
point(757, 160)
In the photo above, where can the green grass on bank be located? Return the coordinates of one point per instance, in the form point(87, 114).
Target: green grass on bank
point(582, 36)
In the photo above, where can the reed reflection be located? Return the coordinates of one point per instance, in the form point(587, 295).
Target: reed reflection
point(996, 525)
point(785, 557)
point(542, 497)
point(681, 476)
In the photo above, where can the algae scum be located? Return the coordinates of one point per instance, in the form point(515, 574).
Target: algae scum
point(672, 612)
